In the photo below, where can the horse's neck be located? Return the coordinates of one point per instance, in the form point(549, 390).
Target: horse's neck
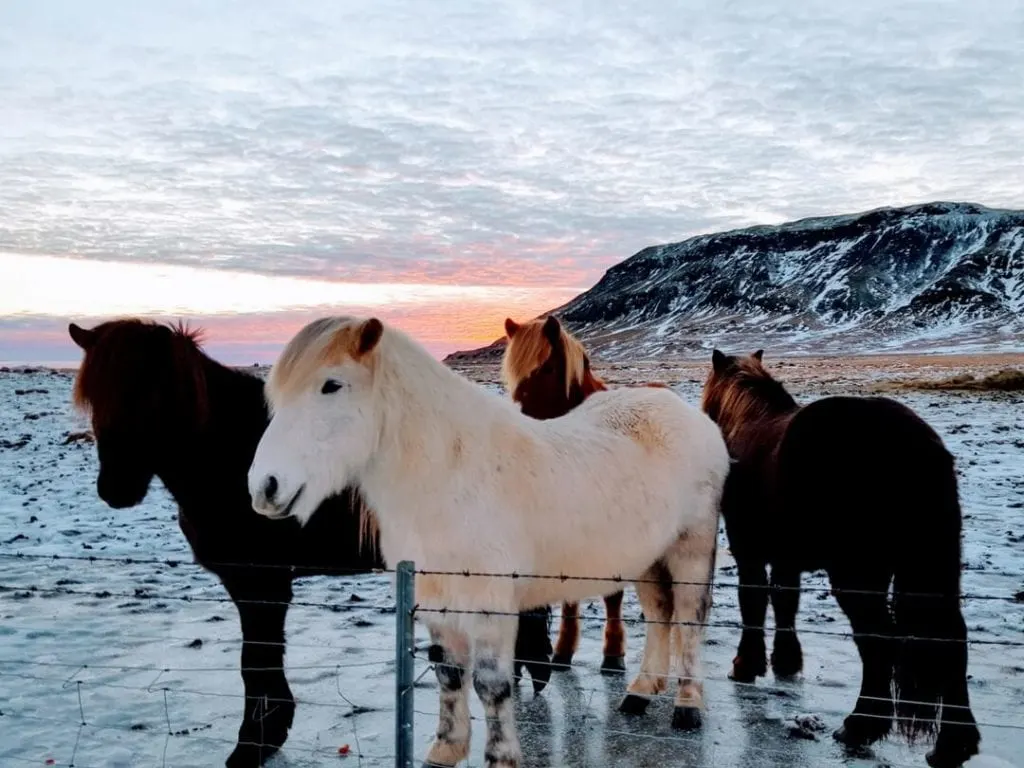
point(209, 465)
point(434, 431)
point(755, 441)
point(591, 384)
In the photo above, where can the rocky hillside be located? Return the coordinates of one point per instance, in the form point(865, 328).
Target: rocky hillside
point(939, 276)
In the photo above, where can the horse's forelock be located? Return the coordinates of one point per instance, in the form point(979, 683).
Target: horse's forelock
point(324, 341)
point(109, 369)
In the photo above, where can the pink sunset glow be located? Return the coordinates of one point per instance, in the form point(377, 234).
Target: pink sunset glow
point(248, 316)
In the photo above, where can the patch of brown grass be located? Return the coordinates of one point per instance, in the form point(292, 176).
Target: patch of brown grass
point(1005, 380)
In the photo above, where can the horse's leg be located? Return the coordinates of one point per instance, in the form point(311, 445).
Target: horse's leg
point(492, 681)
point(751, 657)
point(692, 565)
point(262, 597)
point(614, 635)
point(865, 602)
point(787, 657)
point(568, 636)
point(533, 647)
point(958, 732)
point(449, 653)
point(654, 591)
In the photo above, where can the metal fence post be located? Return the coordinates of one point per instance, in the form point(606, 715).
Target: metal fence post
point(405, 600)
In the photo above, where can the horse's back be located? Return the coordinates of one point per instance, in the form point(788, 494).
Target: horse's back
point(865, 433)
point(865, 473)
point(655, 419)
point(621, 476)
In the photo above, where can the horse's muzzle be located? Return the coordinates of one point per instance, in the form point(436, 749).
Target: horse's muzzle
point(267, 505)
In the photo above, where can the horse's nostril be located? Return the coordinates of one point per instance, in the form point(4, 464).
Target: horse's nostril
point(270, 488)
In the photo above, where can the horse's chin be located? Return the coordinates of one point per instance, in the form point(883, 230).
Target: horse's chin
point(123, 498)
point(296, 507)
point(124, 502)
point(302, 509)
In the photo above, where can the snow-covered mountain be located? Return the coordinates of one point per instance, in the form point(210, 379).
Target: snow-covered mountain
point(925, 277)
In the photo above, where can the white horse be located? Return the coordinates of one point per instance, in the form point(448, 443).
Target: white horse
point(626, 486)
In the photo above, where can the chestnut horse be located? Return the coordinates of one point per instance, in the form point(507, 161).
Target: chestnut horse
point(161, 407)
point(864, 489)
point(547, 371)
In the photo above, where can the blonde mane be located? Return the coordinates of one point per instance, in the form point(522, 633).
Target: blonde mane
point(529, 349)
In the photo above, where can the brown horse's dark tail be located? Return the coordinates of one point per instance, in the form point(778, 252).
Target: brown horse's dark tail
point(931, 646)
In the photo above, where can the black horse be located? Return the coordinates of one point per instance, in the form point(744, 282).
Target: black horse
point(160, 407)
point(864, 489)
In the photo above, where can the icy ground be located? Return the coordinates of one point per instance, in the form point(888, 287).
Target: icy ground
point(89, 642)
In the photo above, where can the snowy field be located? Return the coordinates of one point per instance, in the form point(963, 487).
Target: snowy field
point(108, 663)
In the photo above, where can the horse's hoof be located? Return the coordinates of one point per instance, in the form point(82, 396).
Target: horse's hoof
point(686, 718)
point(561, 661)
point(787, 657)
point(859, 732)
point(855, 746)
point(250, 755)
point(446, 754)
point(947, 759)
point(634, 704)
point(540, 674)
point(264, 731)
point(951, 755)
point(744, 671)
point(786, 670)
point(613, 665)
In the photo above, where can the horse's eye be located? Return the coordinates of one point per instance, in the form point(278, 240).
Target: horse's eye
point(330, 387)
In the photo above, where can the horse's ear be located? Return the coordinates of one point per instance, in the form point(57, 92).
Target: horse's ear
point(552, 329)
point(369, 335)
point(758, 355)
point(718, 361)
point(83, 337)
point(511, 327)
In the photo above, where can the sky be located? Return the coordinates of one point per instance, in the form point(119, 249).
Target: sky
point(252, 164)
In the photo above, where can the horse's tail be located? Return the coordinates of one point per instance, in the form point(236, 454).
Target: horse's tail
point(931, 656)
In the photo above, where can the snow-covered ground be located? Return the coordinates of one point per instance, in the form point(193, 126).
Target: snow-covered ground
point(146, 653)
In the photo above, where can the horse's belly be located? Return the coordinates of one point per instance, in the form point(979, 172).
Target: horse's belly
point(546, 592)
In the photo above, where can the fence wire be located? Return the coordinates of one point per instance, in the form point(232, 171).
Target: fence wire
point(78, 676)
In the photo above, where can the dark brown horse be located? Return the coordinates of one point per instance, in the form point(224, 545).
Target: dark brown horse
point(547, 371)
point(160, 407)
point(864, 489)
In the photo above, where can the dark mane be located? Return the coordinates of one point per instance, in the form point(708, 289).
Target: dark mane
point(124, 359)
point(196, 335)
point(740, 391)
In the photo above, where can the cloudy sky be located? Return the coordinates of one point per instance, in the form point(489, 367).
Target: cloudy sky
point(250, 164)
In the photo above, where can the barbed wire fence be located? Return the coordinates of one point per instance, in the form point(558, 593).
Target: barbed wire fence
point(77, 678)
